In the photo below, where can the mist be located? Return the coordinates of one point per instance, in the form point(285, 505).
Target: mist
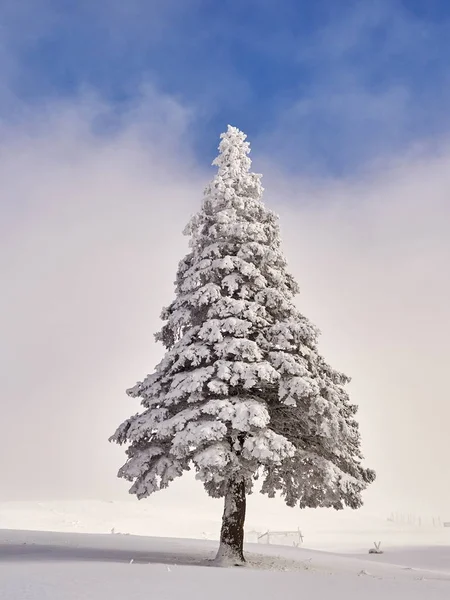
point(90, 225)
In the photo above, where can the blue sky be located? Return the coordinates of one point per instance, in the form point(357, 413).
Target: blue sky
point(326, 85)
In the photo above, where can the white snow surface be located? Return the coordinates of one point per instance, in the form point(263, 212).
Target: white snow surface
point(63, 566)
point(73, 564)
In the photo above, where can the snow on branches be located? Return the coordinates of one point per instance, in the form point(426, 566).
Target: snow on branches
point(242, 391)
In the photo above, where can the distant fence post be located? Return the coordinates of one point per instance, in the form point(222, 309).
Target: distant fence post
point(269, 536)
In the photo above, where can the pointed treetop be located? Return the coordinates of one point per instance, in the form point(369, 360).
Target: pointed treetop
point(233, 157)
point(233, 172)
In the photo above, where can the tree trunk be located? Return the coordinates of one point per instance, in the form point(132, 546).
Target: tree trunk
point(231, 549)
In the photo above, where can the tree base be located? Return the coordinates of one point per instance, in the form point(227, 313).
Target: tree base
point(229, 557)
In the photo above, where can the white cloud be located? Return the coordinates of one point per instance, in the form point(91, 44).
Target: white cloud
point(90, 238)
point(89, 246)
point(372, 257)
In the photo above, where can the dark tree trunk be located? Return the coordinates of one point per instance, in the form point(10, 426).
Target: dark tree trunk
point(231, 549)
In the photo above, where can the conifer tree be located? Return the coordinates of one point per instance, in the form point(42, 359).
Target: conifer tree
point(242, 392)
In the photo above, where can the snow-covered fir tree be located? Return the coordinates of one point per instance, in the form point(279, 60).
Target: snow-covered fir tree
point(242, 392)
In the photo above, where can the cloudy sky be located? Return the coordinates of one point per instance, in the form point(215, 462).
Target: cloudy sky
point(110, 114)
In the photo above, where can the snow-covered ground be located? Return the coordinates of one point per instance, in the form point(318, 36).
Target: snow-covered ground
point(68, 566)
point(65, 551)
